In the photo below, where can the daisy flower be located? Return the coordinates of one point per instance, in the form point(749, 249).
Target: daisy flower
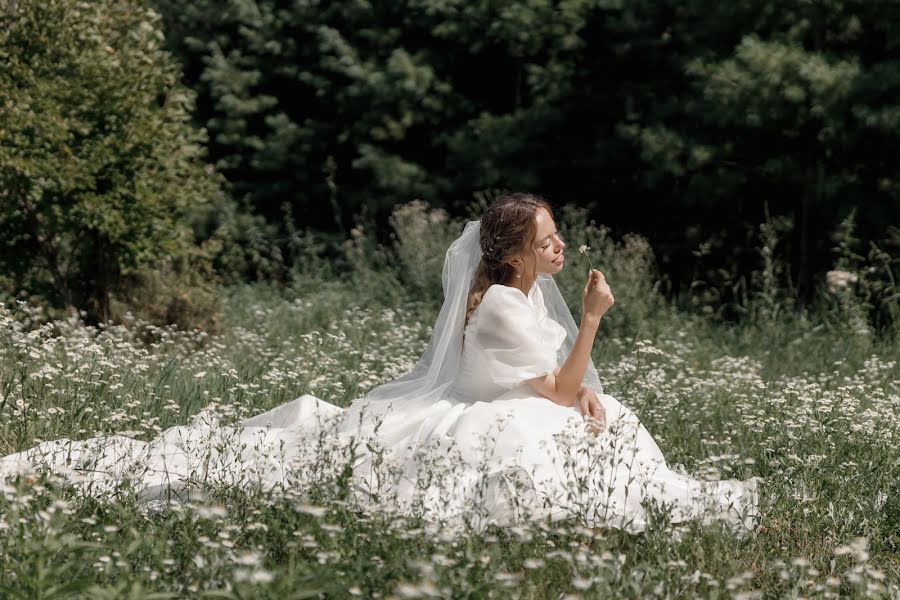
point(583, 249)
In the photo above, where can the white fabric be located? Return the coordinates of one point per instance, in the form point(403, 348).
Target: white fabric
point(438, 368)
point(515, 336)
point(461, 440)
point(509, 339)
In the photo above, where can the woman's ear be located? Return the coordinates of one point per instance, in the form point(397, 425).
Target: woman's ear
point(516, 263)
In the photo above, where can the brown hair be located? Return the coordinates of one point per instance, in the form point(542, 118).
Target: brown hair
point(507, 227)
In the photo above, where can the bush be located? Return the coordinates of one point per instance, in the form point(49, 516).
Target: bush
point(241, 246)
point(421, 238)
point(98, 158)
point(183, 293)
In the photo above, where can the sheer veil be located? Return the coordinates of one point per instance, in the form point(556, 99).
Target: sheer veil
point(437, 368)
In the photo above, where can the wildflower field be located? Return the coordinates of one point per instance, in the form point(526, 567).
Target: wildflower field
point(808, 399)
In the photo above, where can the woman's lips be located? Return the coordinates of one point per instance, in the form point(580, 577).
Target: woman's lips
point(560, 260)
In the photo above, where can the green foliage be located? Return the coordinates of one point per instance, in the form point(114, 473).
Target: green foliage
point(768, 283)
point(371, 266)
point(421, 239)
point(98, 160)
point(304, 101)
point(684, 118)
point(184, 294)
point(389, 100)
point(241, 246)
point(784, 105)
point(629, 266)
point(792, 400)
point(863, 289)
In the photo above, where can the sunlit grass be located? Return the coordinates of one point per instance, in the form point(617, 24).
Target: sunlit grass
point(803, 400)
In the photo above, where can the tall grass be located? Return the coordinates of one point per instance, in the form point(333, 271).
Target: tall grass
point(807, 398)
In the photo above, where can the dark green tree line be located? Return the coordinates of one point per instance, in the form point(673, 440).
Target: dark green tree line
point(685, 120)
point(662, 114)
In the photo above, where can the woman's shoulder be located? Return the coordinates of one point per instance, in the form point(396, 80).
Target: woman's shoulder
point(503, 303)
point(505, 293)
point(501, 298)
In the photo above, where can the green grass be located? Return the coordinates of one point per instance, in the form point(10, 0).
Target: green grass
point(808, 399)
point(817, 418)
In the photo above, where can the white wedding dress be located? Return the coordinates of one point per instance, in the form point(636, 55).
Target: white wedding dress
point(485, 448)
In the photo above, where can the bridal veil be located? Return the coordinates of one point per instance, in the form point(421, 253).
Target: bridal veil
point(438, 366)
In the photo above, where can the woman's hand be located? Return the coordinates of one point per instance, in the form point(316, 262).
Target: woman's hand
point(594, 413)
point(596, 298)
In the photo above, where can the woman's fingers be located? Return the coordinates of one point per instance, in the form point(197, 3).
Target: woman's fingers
point(597, 420)
point(597, 410)
point(585, 406)
point(592, 410)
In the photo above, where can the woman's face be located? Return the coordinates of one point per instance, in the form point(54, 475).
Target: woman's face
point(548, 246)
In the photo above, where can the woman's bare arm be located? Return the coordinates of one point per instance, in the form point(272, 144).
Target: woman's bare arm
point(562, 386)
point(546, 387)
point(586, 399)
point(571, 374)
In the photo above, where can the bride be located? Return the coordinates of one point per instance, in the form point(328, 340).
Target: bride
point(502, 421)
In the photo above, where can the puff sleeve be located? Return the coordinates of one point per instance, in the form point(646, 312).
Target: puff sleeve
point(513, 337)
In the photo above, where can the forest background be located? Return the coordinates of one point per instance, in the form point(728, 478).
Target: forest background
point(210, 208)
point(149, 151)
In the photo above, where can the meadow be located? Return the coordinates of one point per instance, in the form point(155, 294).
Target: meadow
point(808, 398)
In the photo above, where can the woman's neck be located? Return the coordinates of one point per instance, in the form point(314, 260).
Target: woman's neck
point(524, 283)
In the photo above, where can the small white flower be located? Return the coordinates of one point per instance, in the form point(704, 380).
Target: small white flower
point(316, 511)
point(583, 249)
point(248, 559)
point(838, 280)
point(858, 549)
point(254, 576)
point(210, 512)
point(582, 583)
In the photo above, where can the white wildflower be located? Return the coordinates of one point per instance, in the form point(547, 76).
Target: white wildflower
point(254, 576)
point(838, 280)
point(248, 559)
point(858, 549)
point(309, 509)
point(582, 583)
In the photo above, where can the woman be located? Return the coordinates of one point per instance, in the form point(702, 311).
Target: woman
point(489, 427)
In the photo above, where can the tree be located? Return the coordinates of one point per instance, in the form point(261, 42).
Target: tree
point(785, 104)
point(98, 158)
point(678, 119)
point(341, 107)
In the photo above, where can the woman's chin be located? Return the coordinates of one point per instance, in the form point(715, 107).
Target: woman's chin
point(551, 268)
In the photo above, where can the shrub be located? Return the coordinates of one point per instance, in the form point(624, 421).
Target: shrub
point(421, 238)
point(184, 293)
point(98, 159)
